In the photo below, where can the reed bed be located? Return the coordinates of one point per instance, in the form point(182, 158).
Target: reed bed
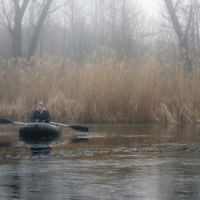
point(103, 90)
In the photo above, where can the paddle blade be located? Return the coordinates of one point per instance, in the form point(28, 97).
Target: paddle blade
point(79, 128)
point(5, 121)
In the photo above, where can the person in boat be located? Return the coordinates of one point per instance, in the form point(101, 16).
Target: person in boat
point(41, 114)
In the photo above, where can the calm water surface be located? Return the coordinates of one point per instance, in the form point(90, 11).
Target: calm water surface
point(150, 162)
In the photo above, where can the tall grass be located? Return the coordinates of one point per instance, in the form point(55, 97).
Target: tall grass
point(105, 90)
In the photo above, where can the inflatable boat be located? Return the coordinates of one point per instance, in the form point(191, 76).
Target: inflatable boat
point(38, 129)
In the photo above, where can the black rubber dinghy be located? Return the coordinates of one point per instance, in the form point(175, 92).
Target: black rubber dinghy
point(38, 129)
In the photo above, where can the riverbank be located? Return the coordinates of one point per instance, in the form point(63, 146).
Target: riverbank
point(100, 91)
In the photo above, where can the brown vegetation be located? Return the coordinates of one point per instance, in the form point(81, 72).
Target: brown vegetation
point(105, 90)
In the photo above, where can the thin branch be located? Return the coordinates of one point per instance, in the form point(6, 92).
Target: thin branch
point(189, 21)
point(7, 26)
point(176, 5)
point(4, 12)
point(59, 7)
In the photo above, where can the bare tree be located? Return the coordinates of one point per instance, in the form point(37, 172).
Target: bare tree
point(82, 28)
point(16, 30)
point(182, 35)
point(38, 28)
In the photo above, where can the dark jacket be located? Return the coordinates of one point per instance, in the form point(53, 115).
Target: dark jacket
point(43, 116)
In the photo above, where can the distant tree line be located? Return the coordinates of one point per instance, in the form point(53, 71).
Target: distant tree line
point(76, 29)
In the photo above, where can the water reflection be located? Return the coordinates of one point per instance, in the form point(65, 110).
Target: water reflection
point(91, 167)
point(40, 150)
point(79, 139)
point(40, 145)
point(5, 144)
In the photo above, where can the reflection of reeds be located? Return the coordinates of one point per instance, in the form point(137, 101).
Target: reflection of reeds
point(106, 90)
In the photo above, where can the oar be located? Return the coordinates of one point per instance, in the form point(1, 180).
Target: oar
point(78, 128)
point(6, 121)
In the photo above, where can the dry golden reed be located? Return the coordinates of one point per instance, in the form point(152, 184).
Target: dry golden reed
point(100, 90)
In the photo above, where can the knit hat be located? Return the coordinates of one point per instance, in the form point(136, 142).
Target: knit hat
point(40, 104)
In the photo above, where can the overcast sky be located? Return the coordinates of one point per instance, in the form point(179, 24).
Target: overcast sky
point(151, 6)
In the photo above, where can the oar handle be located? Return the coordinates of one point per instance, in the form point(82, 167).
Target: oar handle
point(6, 121)
point(59, 124)
point(78, 128)
point(19, 123)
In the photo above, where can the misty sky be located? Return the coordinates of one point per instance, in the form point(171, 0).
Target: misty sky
point(151, 6)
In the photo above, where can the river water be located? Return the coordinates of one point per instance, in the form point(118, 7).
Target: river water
point(140, 162)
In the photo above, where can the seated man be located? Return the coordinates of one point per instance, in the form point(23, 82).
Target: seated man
point(40, 114)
